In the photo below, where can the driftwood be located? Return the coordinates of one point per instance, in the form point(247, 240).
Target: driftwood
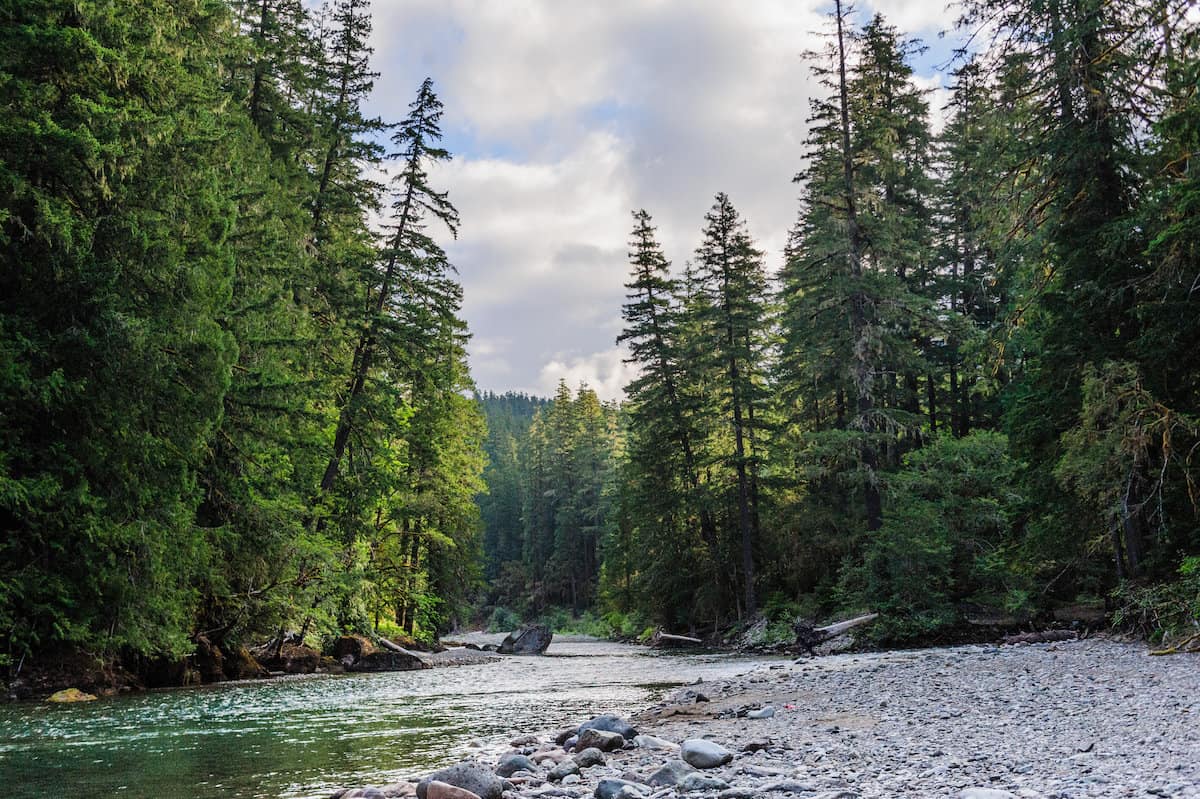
point(394, 647)
point(808, 637)
point(1189, 644)
point(666, 639)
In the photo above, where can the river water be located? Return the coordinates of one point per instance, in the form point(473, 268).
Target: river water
point(303, 737)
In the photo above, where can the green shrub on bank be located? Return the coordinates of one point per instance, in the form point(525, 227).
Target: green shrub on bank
point(1164, 612)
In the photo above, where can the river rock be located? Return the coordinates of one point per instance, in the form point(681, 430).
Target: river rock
point(762, 713)
point(551, 755)
point(562, 736)
point(443, 790)
point(613, 788)
point(985, 793)
point(788, 786)
point(563, 769)
point(701, 782)
point(591, 756)
point(356, 646)
point(704, 754)
point(738, 792)
point(672, 772)
point(532, 639)
point(609, 723)
point(362, 793)
point(470, 775)
point(524, 740)
point(600, 739)
point(387, 660)
point(512, 763)
point(70, 695)
point(655, 744)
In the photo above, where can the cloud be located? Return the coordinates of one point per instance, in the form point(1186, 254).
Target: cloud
point(565, 117)
point(604, 372)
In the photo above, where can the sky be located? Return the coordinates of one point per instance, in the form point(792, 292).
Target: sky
point(564, 116)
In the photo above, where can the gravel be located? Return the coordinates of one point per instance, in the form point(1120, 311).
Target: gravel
point(1086, 719)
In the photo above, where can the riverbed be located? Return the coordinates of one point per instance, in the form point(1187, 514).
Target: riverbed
point(304, 736)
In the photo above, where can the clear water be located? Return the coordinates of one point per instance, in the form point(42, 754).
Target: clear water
point(304, 737)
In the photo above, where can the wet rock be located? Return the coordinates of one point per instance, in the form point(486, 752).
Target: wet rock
point(701, 753)
point(362, 793)
point(532, 639)
point(755, 746)
point(512, 763)
point(762, 713)
point(612, 788)
point(387, 660)
point(564, 735)
point(609, 723)
point(443, 790)
point(562, 770)
point(470, 775)
point(600, 739)
point(68, 695)
point(591, 756)
point(701, 782)
point(671, 773)
point(524, 740)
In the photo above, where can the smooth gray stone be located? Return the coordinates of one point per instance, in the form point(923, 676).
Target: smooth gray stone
point(701, 753)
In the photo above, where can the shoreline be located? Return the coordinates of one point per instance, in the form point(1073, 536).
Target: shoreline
point(1082, 718)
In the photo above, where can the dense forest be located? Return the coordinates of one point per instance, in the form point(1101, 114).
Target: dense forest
point(972, 391)
point(231, 406)
point(234, 393)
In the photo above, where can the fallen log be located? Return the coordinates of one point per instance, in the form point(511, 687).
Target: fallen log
point(809, 637)
point(386, 644)
point(666, 639)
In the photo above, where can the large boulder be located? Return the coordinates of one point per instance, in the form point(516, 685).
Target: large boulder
point(386, 660)
point(532, 639)
point(355, 646)
point(297, 659)
point(469, 775)
point(609, 723)
point(704, 754)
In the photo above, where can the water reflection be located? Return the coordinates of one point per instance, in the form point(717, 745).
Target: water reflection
point(303, 737)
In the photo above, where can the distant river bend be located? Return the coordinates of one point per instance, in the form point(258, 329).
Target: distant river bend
point(303, 737)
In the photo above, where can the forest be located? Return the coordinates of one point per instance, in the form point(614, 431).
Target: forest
point(235, 402)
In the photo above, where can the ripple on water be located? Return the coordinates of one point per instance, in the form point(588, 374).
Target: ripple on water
point(303, 737)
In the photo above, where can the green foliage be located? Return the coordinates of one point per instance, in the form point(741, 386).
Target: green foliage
point(947, 539)
point(1163, 611)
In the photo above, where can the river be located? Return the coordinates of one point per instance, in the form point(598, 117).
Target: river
point(303, 737)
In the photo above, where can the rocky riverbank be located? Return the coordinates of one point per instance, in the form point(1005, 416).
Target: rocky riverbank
point(1073, 719)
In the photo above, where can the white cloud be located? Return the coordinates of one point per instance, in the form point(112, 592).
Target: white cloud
point(566, 116)
point(604, 372)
